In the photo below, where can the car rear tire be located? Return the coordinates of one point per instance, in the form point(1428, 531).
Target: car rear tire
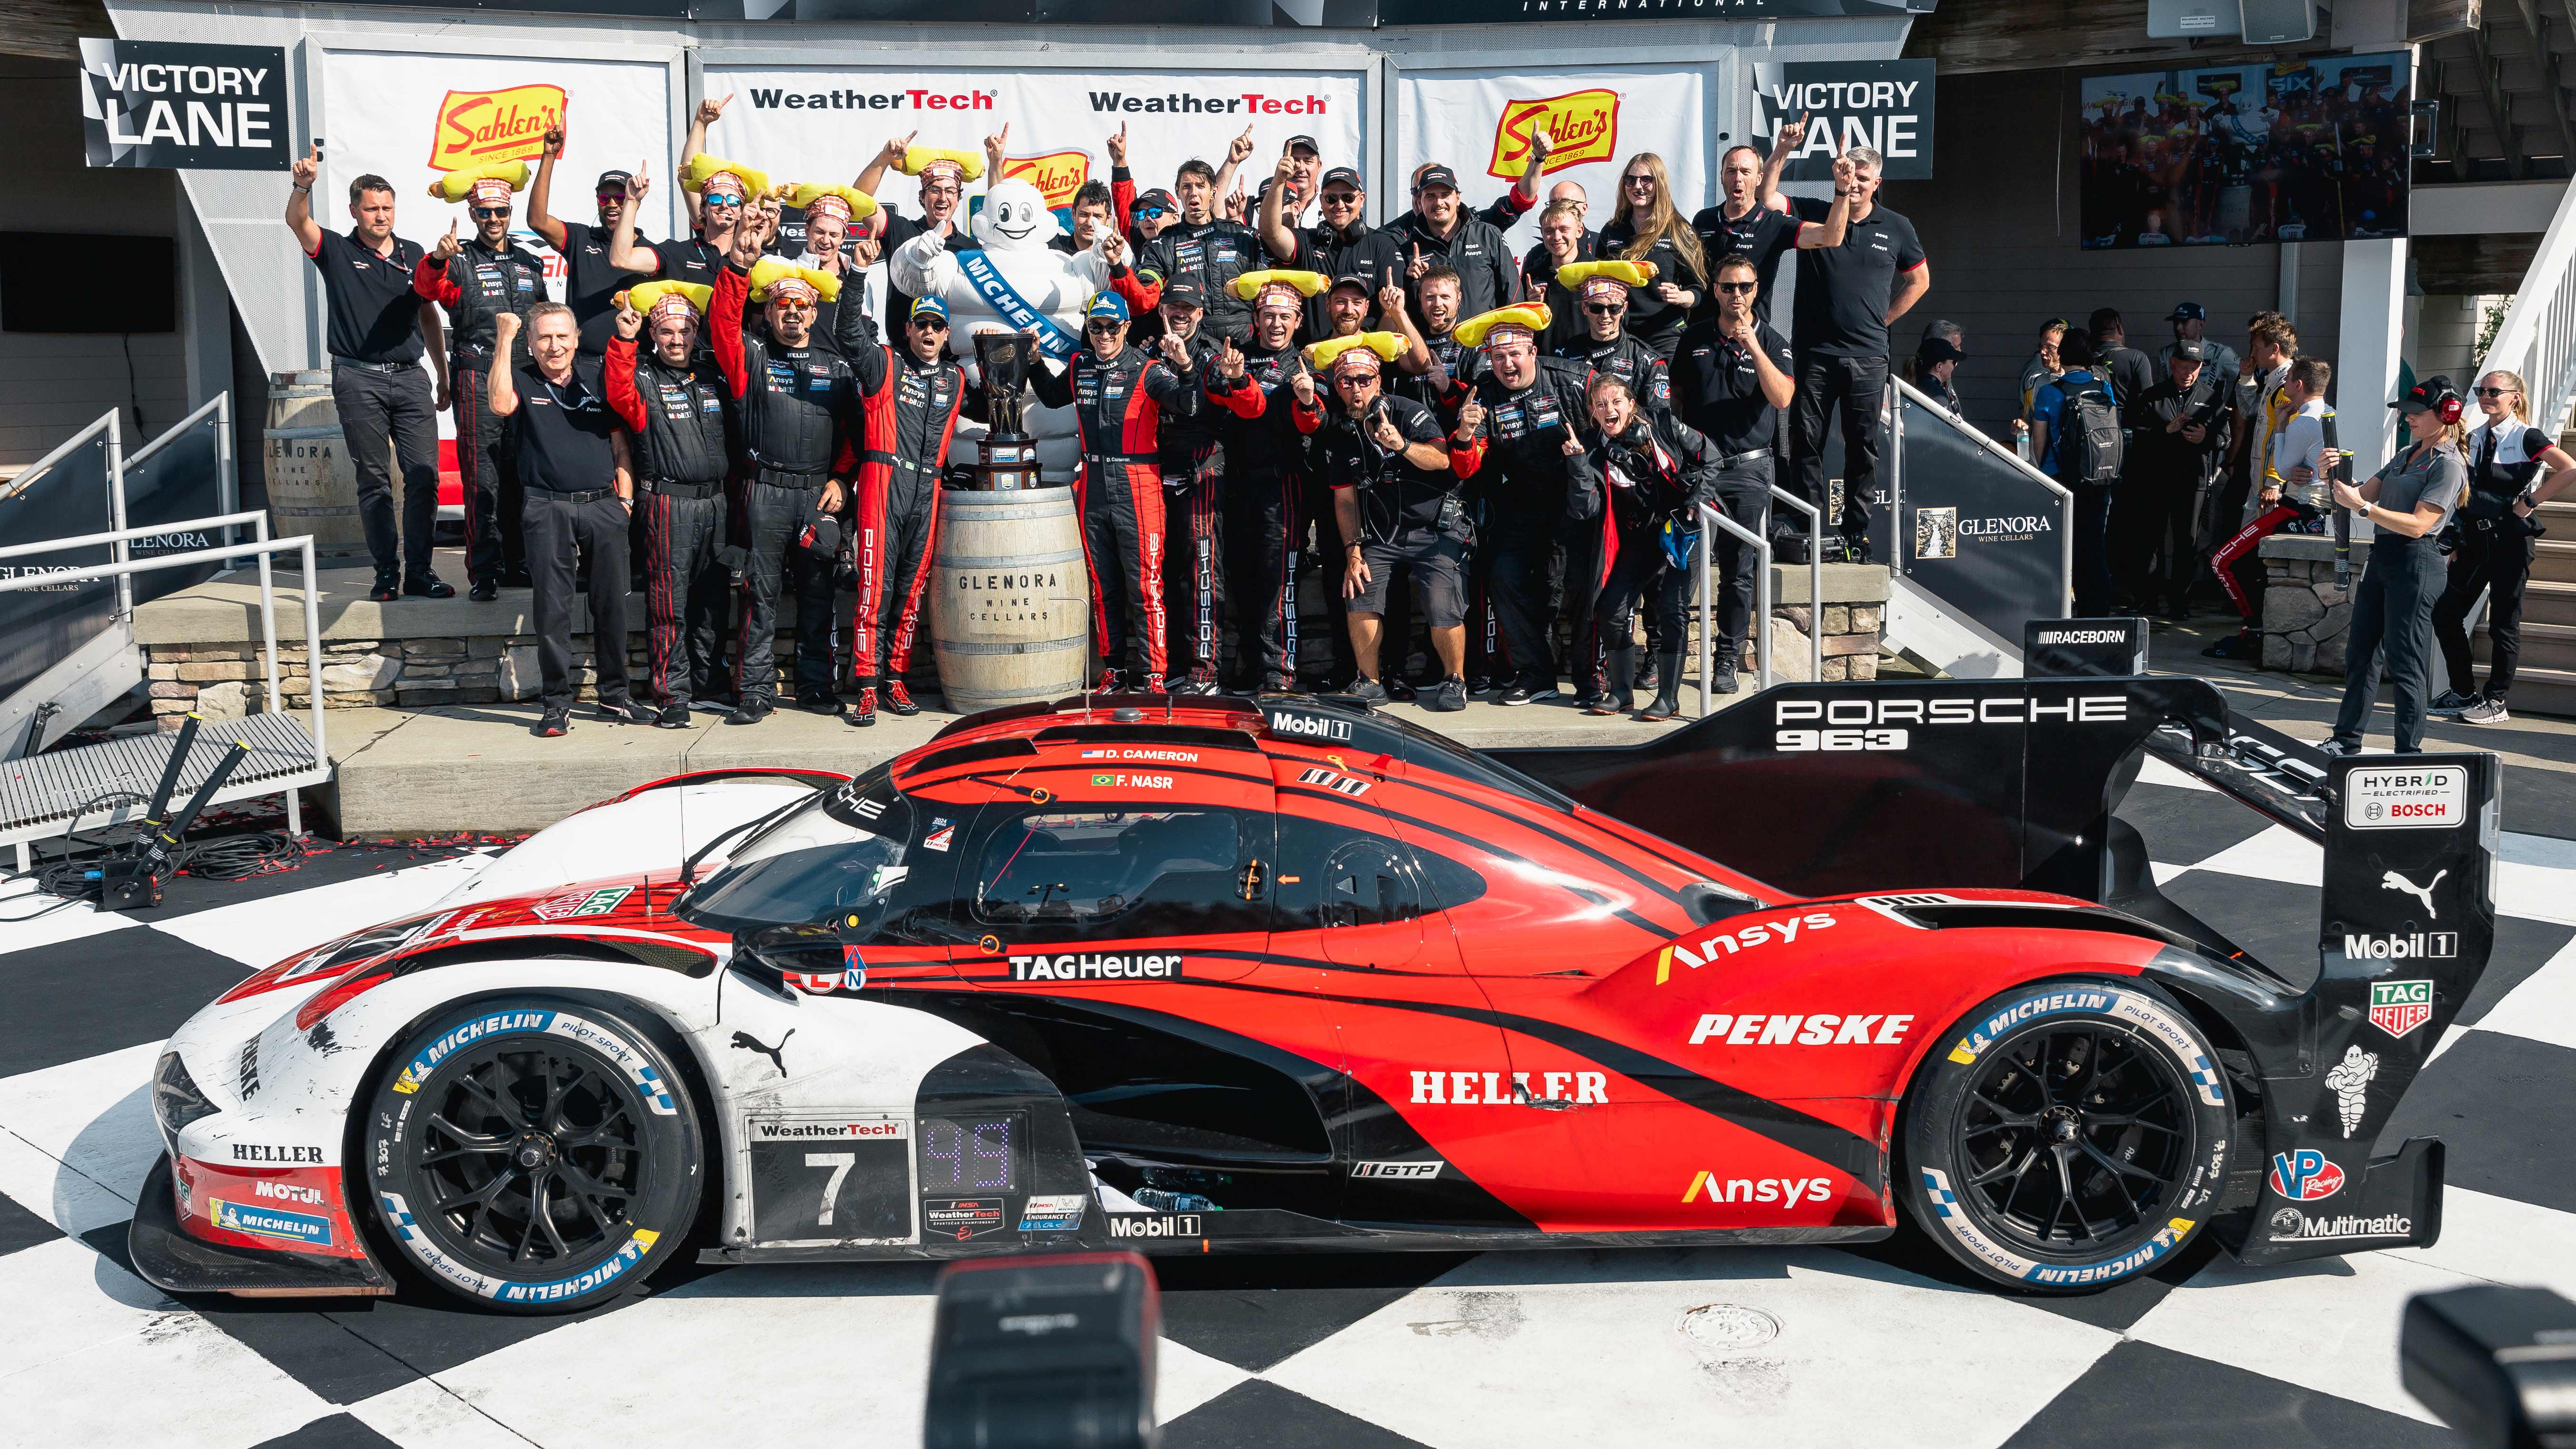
point(2072, 1134)
point(533, 1154)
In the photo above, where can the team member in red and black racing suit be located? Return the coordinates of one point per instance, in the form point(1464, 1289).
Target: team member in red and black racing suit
point(1120, 396)
point(897, 522)
point(1265, 402)
point(671, 399)
point(1534, 417)
point(1655, 470)
point(1602, 344)
point(478, 280)
point(1188, 459)
point(803, 417)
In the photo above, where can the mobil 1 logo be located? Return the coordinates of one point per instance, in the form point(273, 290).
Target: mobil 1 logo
point(818, 1180)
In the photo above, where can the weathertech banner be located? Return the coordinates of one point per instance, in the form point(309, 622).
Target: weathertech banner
point(1060, 120)
point(1481, 123)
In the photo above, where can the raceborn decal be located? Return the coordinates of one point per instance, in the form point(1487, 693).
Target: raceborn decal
point(2398, 1007)
point(1786, 1191)
point(1821, 1030)
point(1461, 1089)
point(2305, 1175)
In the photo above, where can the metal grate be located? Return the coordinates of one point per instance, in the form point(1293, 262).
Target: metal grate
point(49, 790)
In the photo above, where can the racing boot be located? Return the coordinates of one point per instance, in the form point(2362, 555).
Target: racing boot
point(1108, 682)
point(863, 712)
point(898, 700)
point(1202, 680)
point(1668, 686)
point(1611, 689)
point(1154, 685)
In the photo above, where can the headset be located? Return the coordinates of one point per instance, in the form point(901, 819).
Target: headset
point(2448, 405)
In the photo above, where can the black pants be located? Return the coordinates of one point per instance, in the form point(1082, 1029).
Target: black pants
point(1640, 574)
point(685, 592)
point(376, 407)
point(558, 533)
point(487, 464)
point(1123, 542)
point(2092, 551)
point(1190, 560)
point(2392, 610)
point(774, 520)
point(1743, 495)
point(2496, 559)
point(1518, 573)
point(1857, 384)
point(2153, 549)
point(1264, 548)
point(1591, 552)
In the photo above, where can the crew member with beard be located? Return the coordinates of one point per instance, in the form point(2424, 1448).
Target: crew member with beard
point(671, 399)
point(478, 281)
point(898, 506)
point(1438, 291)
point(1120, 396)
point(944, 177)
point(591, 283)
point(1644, 481)
point(1342, 244)
point(1206, 248)
point(724, 191)
point(1347, 309)
point(1731, 378)
point(802, 412)
point(1187, 457)
point(1744, 225)
point(1438, 229)
point(1439, 389)
point(1266, 404)
point(1534, 411)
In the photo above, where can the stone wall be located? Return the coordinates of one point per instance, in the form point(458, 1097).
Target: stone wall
point(1851, 641)
point(2305, 613)
point(222, 682)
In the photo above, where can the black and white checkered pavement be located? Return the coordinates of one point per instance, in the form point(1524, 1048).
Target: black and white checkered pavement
point(1803, 1347)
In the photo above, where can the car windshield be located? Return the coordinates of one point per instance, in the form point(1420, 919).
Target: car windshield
point(839, 854)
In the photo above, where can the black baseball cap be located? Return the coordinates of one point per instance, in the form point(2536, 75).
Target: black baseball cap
point(2427, 396)
point(2194, 350)
point(1344, 175)
point(1306, 141)
point(1938, 350)
point(1157, 197)
point(1436, 176)
point(1350, 281)
point(1185, 292)
point(2188, 312)
point(622, 180)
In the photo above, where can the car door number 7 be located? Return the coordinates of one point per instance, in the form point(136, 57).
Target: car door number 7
point(840, 1163)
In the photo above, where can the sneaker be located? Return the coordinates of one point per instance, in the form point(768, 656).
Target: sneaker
point(1650, 678)
point(2334, 749)
point(825, 704)
point(1723, 677)
point(716, 701)
point(863, 712)
point(2234, 646)
point(1480, 685)
point(1446, 697)
point(428, 586)
point(484, 592)
point(1154, 685)
point(388, 588)
point(750, 711)
point(2450, 703)
point(1202, 681)
point(898, 700)
point(673, 717)
point(1108, 683)
point(1367, 691)
point(1399, 689)
point(553, 723)
point(623, 711)
point(1517, 694)
point(2485, 711)
point(1542, 693)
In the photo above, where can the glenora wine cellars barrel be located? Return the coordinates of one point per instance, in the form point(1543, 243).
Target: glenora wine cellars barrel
point(1010, 607)
point(311, 486)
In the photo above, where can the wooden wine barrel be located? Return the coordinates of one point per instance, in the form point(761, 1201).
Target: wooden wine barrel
point(1010, 606)
point(312, 488)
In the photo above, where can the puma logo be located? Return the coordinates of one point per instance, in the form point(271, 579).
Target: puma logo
point(745, 1041)
point(2392, 881)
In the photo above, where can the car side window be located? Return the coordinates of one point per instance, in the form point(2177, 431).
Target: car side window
point(1369, 883)
point(1058, 873)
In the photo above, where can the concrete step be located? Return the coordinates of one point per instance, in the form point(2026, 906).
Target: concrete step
point(2554, 561)
point(2548, 603)
point(2544, 692)
point(2544, 646)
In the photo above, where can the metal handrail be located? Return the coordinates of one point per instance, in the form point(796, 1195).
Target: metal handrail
point(33, 471)
point(256, 518)
point(227, 484)
point(1708, 600)
point(2538, 338)
point(1815, 588)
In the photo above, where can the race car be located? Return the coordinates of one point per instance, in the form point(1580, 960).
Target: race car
point(1218, 974)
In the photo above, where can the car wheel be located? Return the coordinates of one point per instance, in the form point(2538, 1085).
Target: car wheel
point(536, 1155)
point(2075, 1133)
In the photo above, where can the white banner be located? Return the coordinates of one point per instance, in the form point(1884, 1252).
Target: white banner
point(1059, 120)
point(1479, 122)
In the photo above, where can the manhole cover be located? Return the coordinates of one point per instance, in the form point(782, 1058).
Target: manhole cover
point(1728, 1327)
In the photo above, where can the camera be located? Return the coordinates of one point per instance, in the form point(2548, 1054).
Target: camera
point(2498, 1364)
point(1046, 1353)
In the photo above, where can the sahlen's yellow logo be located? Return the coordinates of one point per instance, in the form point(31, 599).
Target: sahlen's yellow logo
point(479, 126)
point(1581, 126)
point(1057, 177)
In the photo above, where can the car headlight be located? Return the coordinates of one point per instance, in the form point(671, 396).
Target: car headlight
point(176, 1101)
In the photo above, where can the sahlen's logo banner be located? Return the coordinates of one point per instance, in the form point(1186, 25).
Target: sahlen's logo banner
point(1057, 175)
point(184, 107)
point(1581, 127)
point(1885, 105)
point(503, 125)
point(1481, 123)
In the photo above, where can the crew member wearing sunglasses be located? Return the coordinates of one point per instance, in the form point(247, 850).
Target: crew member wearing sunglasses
point(1731, 377)
point(591, 283)
point(1340, 244)
point(1604, 290)
point(478, 280)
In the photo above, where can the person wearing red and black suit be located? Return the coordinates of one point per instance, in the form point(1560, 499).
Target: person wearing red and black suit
point(478, 280)
point(1266, 405)
point(672, 402)
point(805, 415)
point(1120, 396)
point(898, 519)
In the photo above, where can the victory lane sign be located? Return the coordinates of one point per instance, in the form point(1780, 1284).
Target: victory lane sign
point(1885, 105)
point(185, 107)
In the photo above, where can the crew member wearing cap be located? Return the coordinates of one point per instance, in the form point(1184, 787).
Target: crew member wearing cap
point(591, 284)
point(479, 280)
point(1265, 404)
point(1342, 244)
point(1730, 381)
point(898, 519)
point(829, 213)
point(804, 416)
point(1207, 249)
point(1395, 502)
point(670, 397)
point(723, 191)
point(1120, 396)
point(1936, 362)
point(1643, 482)
point(2177, 435)
point(2191, 324)
point(1533, 414)
point(2406, 503)
point(1306, 163)
point(578, 479)
point(378, 329)
point(1604, 290)
point(1348, 307)
point(1438, 229)
point(944, 177)
point(1150, 215)
point(1187, 457)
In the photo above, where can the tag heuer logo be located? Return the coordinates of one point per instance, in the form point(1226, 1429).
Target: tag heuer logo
point(2398, 1007)
point(581, 903)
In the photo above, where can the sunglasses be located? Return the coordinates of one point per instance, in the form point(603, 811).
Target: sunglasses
point(2493, 391)
point(611, 198)
point(1638, 180)
point(931, 324)
point(792, 303)
point(487, 213)
point(1605, 309)
point(1341, 198)
point(1738, 288)
point(1103, 329)
point(714, 198)
point(1152, 213)
point(1355, 379)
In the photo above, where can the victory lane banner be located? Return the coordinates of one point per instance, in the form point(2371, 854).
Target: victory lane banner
point(184, 107)
point(1885, 105)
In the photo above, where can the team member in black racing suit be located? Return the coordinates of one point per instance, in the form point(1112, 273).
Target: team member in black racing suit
point(478, 280)
point(1186, 453)
point(1655, 471)
point(1603, 345)
point(898, 521)
point(1265, 403)
point(1120, 396)
point(1205, 248)
point(671, 399)
point(1534, 414)
point(801, 413)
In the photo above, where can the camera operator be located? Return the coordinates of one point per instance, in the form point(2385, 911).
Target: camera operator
point(2178, 430)
point(2496, 539)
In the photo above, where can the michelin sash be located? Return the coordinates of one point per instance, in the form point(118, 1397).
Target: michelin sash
point(995, 289)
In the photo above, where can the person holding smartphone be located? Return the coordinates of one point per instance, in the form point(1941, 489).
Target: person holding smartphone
point(2513, 469)
point(2407, 501)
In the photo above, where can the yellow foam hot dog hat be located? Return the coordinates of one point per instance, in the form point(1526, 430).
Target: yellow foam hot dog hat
point(1329, 353)
point(498, 179)
point(703, 168)
point(771, 273)
point(657, 297)
point(850, 203)
point(1576, 275)
point(1530, 317)
point(1251, 285)
point(917, 159)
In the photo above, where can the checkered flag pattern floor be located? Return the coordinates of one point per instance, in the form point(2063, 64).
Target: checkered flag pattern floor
point(1809, 1347)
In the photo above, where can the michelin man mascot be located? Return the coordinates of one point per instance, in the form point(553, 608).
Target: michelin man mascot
point(1017, 283)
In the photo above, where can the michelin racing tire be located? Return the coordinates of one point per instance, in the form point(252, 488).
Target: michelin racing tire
point(2068, 1135)
point(532, 1154)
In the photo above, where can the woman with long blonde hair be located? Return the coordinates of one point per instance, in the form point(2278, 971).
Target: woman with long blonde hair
point(1647, 228)
point(2513, 469)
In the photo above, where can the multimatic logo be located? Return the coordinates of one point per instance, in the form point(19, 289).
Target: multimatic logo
point(1097, 966)
point(2292, 1225)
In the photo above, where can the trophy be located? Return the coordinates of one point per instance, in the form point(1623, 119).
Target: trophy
point(1010, 455)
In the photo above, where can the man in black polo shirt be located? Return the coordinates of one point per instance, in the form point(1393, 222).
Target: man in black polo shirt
point(724, 193)
point(591, 283)
point(1341, 245)
point(1745, 224)
point(1730, 380)
point(1438, 229)
point(579, 481)
point(1848, 293)
point(378, 327)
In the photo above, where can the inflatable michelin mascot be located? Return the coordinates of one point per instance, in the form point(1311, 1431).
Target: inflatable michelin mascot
point(1017, 283)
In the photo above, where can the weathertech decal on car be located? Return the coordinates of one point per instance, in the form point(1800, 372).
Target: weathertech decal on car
point(1945, 1203)
point(552, 1023)
point(1460, 1089)
point(1745, 939)
point(1822, 1030)
point(1786, 1191)
point(1097, 966)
